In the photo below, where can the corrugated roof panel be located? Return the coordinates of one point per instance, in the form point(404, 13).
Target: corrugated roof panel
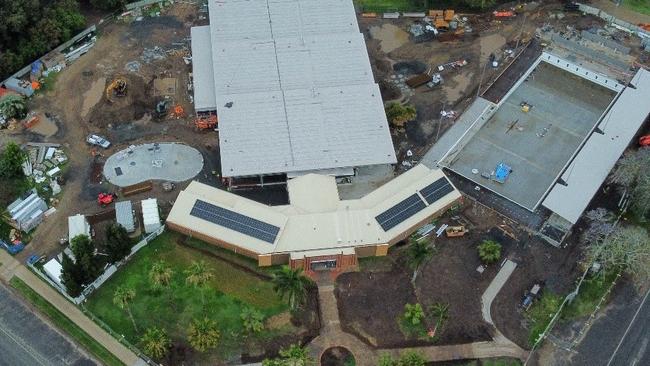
point(590, 168)
point(204, 95)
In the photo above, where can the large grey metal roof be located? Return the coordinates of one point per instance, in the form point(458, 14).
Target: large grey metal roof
point(294, 88)
point(588, 170)
point(204, 96)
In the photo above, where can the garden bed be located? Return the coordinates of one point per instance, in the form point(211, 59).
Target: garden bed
point(371, 301)
point(227, 294)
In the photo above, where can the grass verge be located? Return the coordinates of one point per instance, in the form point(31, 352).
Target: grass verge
point(65, 324)
point(640, 6)
point(541, 313)
point(591, 291)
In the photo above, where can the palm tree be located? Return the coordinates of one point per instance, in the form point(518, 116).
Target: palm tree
point(155, 342)
point(160, 275)
point(419, 253)
point(291, 283)
point(203, 334)
point(198, 275)
point(489, 251)
point(122, 297)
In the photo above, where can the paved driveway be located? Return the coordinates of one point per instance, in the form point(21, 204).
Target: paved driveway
point(26, 340)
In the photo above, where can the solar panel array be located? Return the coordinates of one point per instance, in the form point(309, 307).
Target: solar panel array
point(235, 221)
point(400, 212)
point(436, 190)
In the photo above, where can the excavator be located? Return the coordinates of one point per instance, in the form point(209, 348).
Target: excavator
point(116, 88)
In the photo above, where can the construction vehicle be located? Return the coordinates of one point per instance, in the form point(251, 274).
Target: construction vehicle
point(117, 88)
point(644, 140)
point(31, 120)
point(206, 122)
point(530, 296)
point(455, 231)
point(105, 199)
point(162, 108)
point(525, 107)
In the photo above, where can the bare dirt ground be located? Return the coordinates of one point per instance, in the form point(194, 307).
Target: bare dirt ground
point(78, 105)
point(371, 301)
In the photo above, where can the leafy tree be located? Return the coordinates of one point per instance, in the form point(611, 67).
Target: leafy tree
point(13, 106)
point(633, 176)
point(399, 114)
point(489, 251)
point(419, 253)
point(413, 314)
point(385, 359)
point(11, 161)
point(155, 342)
point(440, 313)
point(480, 4)
point(601, 224)
point(198, 275)
point(292, 356)
point(253, 320)
point(108, 4)
point(627, 248)
point(84, 254)
point(203, 334)
point(72, 277)
point(291, 284)
point(118, 243)
point(122, 298)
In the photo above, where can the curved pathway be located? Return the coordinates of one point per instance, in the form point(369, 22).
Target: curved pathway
point(332, 335)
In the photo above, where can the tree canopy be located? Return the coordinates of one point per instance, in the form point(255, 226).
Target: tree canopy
point(155, 342)
point(13, 106)
point(489, 251)
point(398, 114)
point(633, 176)
point(203, 334)
point(291, 284)
point(118, 243)
point(11, 161)
point(30, 28)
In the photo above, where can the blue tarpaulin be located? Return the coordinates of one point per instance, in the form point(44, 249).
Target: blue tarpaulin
point(502, 172)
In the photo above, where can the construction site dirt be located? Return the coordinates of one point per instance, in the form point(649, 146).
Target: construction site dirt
point(138, 52)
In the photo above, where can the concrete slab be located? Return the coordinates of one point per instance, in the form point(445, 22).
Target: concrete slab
point(493, 289)
point(158, 161)
point(536, 144)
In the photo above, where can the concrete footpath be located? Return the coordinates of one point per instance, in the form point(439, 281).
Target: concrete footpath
point(9, 267)
point(332, 335)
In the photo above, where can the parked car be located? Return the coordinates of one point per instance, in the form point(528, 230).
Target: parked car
point(98, 141)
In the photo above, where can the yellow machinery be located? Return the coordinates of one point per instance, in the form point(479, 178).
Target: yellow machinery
point(116, 88)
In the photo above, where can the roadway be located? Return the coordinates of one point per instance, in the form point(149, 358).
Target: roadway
point(27, 340)
point(620, 337)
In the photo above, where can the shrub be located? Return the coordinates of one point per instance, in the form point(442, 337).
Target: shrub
point(489, 251)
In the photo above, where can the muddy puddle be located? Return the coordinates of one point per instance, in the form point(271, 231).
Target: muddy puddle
point(390, 36)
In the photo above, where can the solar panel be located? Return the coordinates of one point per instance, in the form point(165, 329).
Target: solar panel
point(235, 221)
point(436, 190)
point(400, 212)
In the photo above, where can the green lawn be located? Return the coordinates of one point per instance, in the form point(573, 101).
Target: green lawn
point(591, 291)
point(65, 324)
point(640, 6)
point(230, 290)
point(386, 5)
point(541, 313)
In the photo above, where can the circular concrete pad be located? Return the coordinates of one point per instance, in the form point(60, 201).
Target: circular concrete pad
point(167, 161)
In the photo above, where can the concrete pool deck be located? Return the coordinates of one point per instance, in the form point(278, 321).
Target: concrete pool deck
point(168, 161)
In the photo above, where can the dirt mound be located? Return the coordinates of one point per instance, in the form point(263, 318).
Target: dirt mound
point(138, 101)
point(410, 67)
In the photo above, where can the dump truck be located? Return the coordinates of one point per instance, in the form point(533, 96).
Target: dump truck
point(418, 80)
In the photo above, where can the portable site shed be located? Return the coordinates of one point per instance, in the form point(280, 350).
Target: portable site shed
point(78, 225)
point(27, 212)
point(124, 215)
point(150, 215)
point(53, 269)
